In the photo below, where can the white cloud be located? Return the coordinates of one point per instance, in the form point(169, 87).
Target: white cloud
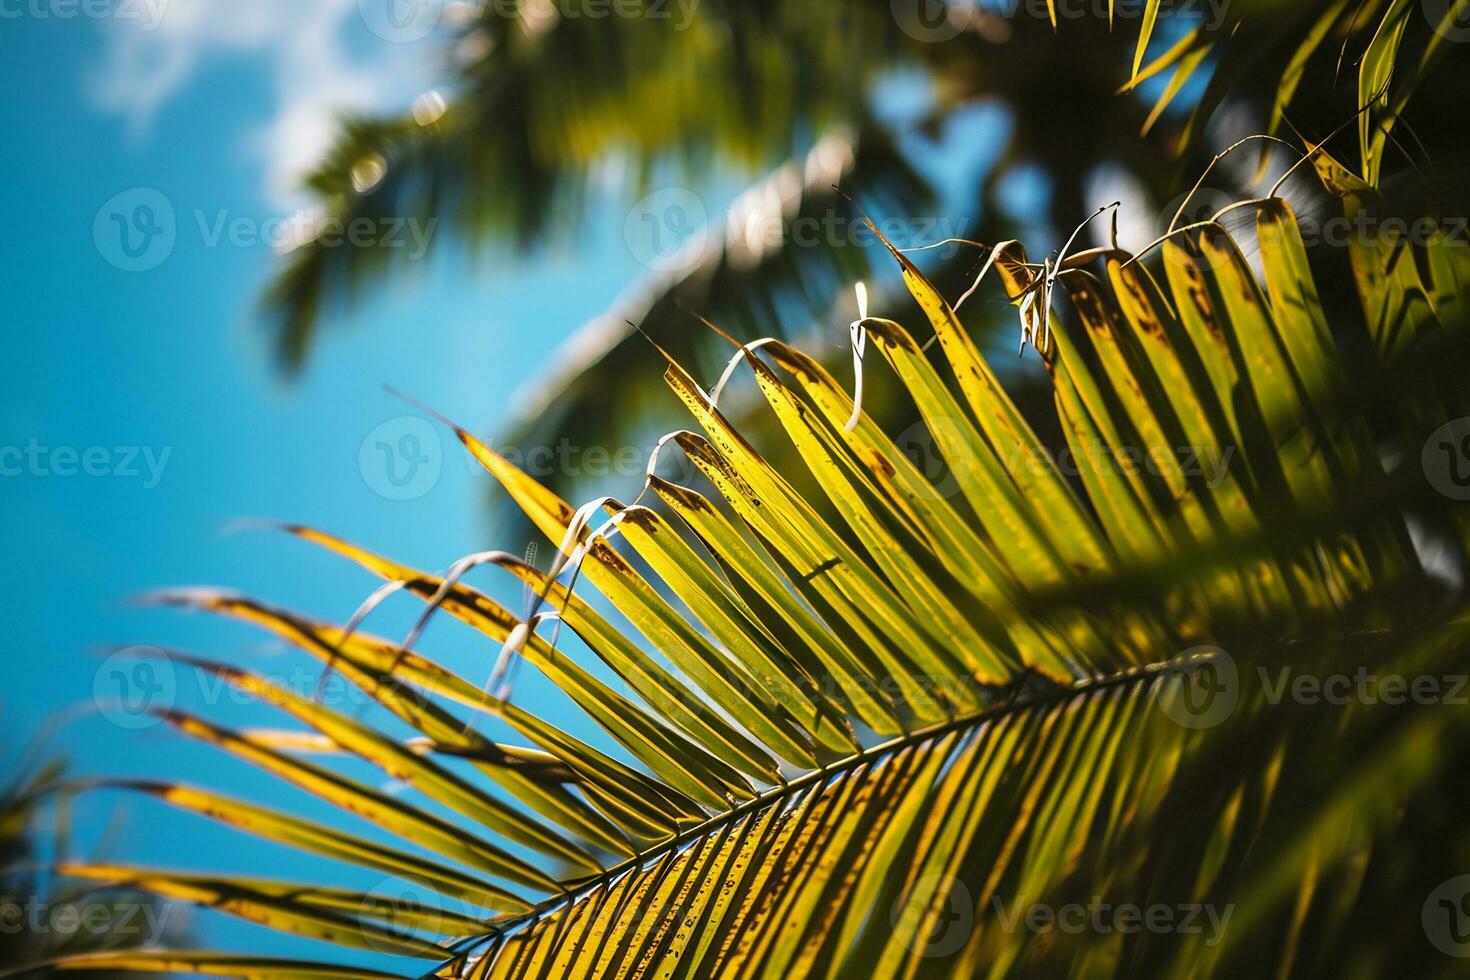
point(303, 48)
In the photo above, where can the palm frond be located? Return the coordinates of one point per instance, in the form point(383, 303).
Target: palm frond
point(542, 106)
point(875, 723)
point(44, 915)
point(539, 108)
point(748, 272)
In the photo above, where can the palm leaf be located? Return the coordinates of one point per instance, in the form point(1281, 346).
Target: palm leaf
point(875, 724)
point(542, 105)
point(544, 110)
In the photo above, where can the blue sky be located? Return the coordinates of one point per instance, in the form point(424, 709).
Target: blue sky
point(106, 369)
point(142, 414)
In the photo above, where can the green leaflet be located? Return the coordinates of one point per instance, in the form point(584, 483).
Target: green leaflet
point(330, 842)
point(767, 667)
point(406, 766)
point(407, 821)
point(388, 673)
point(1374, 75)
point(333, 916)
point(828, 655)
point(974, 645)
point(657, 687)
point(1009, 435)
point(660, 623)
point(218, 965)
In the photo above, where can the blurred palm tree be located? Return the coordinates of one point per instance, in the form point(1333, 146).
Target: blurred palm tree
point(43, 919)
point(544, 107)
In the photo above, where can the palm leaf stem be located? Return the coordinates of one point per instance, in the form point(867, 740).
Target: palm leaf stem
point(1054, 694)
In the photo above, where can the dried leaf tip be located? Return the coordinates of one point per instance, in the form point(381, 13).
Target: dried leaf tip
point(859, 333)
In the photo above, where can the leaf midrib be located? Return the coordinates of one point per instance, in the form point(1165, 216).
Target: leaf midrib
point(775, 794)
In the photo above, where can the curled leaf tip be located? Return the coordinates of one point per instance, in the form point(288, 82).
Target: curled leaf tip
point(858, 332)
